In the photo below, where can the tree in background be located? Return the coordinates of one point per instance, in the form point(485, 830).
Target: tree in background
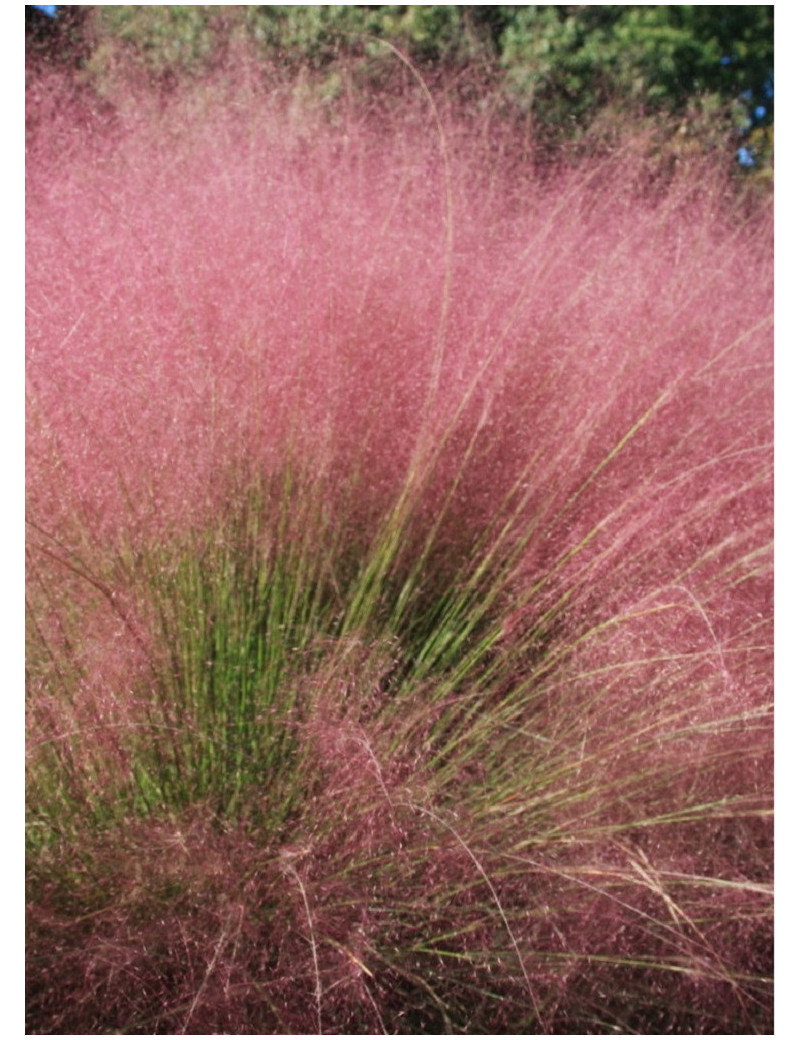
point(705, 65)
point(701, 75)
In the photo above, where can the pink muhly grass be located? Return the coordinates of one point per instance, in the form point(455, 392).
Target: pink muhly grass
point(399, 599)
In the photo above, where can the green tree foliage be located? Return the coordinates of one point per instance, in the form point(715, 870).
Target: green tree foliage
point(569, 67)
point(568, 62)
point(172, 39)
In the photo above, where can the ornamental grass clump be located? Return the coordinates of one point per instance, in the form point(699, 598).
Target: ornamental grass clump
point(399, 582)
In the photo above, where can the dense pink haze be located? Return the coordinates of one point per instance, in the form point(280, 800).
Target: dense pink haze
point(550, 388)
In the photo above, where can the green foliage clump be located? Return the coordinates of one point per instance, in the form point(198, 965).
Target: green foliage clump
point(568, 63)
point(177, 39)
